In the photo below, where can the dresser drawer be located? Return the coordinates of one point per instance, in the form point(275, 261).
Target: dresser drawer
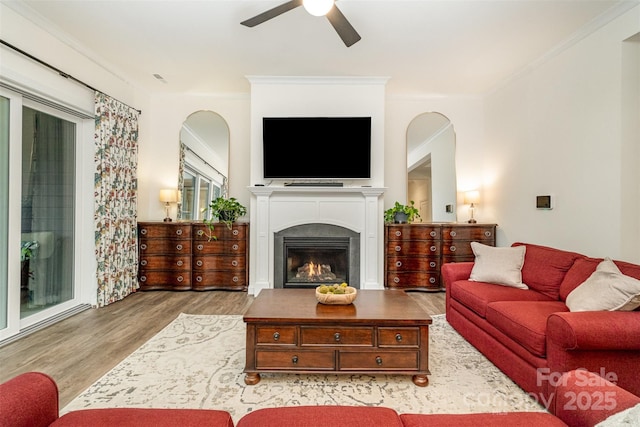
point(403, 263)
point(219, 247)
point(412, 232)
point(179, 280)
point(162, 262)
point(413, 247)
point(221, 231)
point(164, 231)
point(336, 336)
point(461, 249)
point(468, 233)
point(274, 335)
point(413, 280)
point(379, 360)
point(398, 337)
point(219, 278)
point(219, 262)
point(164, 246)
point(293, 360)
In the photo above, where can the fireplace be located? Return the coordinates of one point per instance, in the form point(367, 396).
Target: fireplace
point(308, 255)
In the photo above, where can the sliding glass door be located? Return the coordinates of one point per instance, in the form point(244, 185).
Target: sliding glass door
point(4, 208)
point(38, 212)
point(47, 211)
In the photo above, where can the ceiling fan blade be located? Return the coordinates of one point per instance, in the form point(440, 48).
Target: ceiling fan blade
point(272, 13)
point(345, 30)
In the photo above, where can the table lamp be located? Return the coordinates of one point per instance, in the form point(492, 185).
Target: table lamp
point(471, 198)
point(168, 196)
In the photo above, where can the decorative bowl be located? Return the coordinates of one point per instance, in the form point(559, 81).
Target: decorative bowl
point(348, 297)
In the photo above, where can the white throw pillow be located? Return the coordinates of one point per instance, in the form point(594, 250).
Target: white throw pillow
point(502, 266)
point(606, 289)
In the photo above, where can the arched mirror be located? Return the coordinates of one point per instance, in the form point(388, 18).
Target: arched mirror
point(431, 167)
point(204, 163)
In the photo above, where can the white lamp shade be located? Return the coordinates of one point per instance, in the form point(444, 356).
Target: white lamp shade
point(318, 7)
point(471, 197)
point(168, 195)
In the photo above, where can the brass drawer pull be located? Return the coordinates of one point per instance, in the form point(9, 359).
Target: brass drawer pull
point(200, 232)
point(198, 279)
point(294, 360)
point(433, 233)
point(398, 248)
point(143, 262)
point(396, 279)
point(143, 231)
point(432, 264)
point(179, 263)
point(452, 248)
point(399, 337)
point(199, 263)
point(180, 279)
point(336, 336)
point(398, 233)
point(235, 247)
point(398, 263)
point(235, 232)
point(487, 233)
point(453, 234)
point(433, 248)
point(234, 263)
point(200, 247)
point(432, 280)
point(143, 278)
point(179, 247)
point(179, 232)
point(143, 247)
point(379, 360)
point(276, 336)
point(235, 279)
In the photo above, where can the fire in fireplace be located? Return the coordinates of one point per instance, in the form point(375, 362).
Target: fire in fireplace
point(312, 254)
point(316, 260)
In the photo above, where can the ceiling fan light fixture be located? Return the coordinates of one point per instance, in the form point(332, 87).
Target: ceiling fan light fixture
point(318, 7)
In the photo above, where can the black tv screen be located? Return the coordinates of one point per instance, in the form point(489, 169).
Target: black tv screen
point(316, 147)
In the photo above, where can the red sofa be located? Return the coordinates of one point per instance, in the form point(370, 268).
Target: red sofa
point(531, 335)
point(31, 400)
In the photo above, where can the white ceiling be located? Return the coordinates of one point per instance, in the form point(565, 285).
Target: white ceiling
point(423, 46)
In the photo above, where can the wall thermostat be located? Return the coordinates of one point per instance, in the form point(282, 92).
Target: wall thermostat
point(544, 202)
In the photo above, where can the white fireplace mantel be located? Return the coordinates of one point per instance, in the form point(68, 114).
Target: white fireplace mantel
point(274, 208)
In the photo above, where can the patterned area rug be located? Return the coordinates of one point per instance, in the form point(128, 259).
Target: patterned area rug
point(197, 362)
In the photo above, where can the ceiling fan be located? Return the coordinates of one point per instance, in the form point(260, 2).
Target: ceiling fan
point(345, 30)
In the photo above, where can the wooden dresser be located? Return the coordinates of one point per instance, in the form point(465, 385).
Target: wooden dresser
point(164, 257)
point(221, 263)
point(179, 256)
point(414, 253)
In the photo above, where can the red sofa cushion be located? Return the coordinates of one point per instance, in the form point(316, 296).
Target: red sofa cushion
point(476, 295)
point(525, 322)
point(510, 419)
point(544, 267)
point(582, 269)
point(135, 417)
point(28, 400)
point(321, 416)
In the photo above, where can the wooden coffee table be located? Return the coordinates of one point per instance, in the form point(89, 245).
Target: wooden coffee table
point(383, 331)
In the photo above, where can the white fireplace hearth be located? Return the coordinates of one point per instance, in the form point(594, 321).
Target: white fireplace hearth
point(275, 208)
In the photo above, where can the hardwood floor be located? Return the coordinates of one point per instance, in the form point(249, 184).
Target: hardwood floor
point(77, 351)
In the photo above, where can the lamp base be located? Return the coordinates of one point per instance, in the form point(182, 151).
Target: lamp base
point(472, 221)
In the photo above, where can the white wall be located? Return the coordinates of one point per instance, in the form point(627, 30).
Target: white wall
point(558, 130)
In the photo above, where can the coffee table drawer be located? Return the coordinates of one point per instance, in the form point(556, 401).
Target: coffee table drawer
point(292, 360)
point(398, 337)
point(275, 335)
point(336, 336)
point(379, 360)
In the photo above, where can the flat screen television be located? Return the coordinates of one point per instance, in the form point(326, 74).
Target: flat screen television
point(321, 148)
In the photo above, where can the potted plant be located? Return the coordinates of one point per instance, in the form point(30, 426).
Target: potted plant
point(401, 214)
point(226, 211)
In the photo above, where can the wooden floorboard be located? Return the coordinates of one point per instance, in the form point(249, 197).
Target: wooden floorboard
point(78, 350)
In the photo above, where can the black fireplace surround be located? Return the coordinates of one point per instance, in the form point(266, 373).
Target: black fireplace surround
point(308, 255)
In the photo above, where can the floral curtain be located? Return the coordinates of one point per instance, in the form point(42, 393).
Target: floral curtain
point(116, 157)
